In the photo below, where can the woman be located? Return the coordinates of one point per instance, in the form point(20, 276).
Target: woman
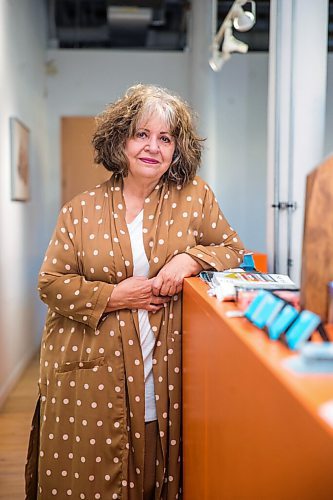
point(110, 386)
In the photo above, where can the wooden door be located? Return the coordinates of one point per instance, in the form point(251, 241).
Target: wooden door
point(79, 172)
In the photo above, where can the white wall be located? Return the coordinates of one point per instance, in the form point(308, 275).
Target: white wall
point(22, 95)
point(328, 149)
point(241, 145)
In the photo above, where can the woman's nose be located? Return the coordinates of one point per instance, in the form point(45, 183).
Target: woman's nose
point(153, 144)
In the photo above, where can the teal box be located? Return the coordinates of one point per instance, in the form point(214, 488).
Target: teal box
point(263, 308)
point(306, 323)
point(287, 315)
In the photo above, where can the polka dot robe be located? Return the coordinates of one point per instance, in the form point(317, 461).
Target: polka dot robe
point(89, 432)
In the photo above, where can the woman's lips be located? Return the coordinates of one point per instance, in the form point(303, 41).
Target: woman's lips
point(151, 161)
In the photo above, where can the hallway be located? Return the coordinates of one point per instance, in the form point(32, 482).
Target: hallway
point(15, 422)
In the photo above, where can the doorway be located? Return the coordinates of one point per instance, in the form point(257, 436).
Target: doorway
point(78, 170)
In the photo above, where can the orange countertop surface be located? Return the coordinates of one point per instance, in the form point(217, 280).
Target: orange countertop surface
point(252, 428)
point(314, 389)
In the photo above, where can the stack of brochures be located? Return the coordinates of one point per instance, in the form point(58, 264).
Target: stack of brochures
point(224, 284)
point(252, 279)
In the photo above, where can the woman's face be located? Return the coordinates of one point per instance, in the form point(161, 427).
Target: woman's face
point(150, 151)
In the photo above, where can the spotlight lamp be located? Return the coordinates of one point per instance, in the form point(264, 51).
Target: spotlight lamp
point(244, 20)
point(241, 20)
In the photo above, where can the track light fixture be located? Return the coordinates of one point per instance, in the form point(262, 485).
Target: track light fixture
point(244, 20)
point(240, 19)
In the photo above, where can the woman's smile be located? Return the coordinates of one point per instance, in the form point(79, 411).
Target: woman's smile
point(149, 160)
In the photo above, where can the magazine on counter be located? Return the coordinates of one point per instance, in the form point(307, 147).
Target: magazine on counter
point(248, 279)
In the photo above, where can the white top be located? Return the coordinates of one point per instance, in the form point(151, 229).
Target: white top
point(147, 337)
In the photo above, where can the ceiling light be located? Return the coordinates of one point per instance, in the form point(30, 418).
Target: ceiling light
point(244, 20)
point(218, 58)
point(231, 44)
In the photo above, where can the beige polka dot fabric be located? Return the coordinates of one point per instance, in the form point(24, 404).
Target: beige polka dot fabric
point(88, 440)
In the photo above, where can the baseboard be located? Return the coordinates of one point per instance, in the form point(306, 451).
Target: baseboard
point(15, 375)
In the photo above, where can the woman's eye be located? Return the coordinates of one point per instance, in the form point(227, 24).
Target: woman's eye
point(165, 139)
point(141, 135)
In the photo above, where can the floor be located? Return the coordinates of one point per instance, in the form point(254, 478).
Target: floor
point(15, 422)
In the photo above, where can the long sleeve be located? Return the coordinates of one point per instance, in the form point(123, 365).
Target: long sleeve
point(219, 245)
point(62, 285)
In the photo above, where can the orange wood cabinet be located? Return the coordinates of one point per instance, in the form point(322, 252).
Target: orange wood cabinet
point(251, 428)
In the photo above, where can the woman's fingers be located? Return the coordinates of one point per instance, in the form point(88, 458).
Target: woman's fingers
point(169, 280)
point(154, 307)
point(137, 293)
point(157, 284)
point(167, 285)
point(131, 293)
point(159, 300)
point(153, 303)
point(167, 288)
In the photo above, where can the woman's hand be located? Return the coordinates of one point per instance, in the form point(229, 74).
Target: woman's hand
point(169, 280)
point(135, 293)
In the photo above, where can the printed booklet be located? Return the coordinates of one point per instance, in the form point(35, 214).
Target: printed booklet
point(247, 279)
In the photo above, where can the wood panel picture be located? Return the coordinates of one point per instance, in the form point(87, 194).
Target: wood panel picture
point(19, 136)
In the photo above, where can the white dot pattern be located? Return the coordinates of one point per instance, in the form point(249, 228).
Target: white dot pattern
point(84, 388)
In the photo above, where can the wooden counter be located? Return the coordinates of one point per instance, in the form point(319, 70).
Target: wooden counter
point(251, 427)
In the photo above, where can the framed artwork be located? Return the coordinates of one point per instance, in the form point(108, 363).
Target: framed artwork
point(19, 137)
